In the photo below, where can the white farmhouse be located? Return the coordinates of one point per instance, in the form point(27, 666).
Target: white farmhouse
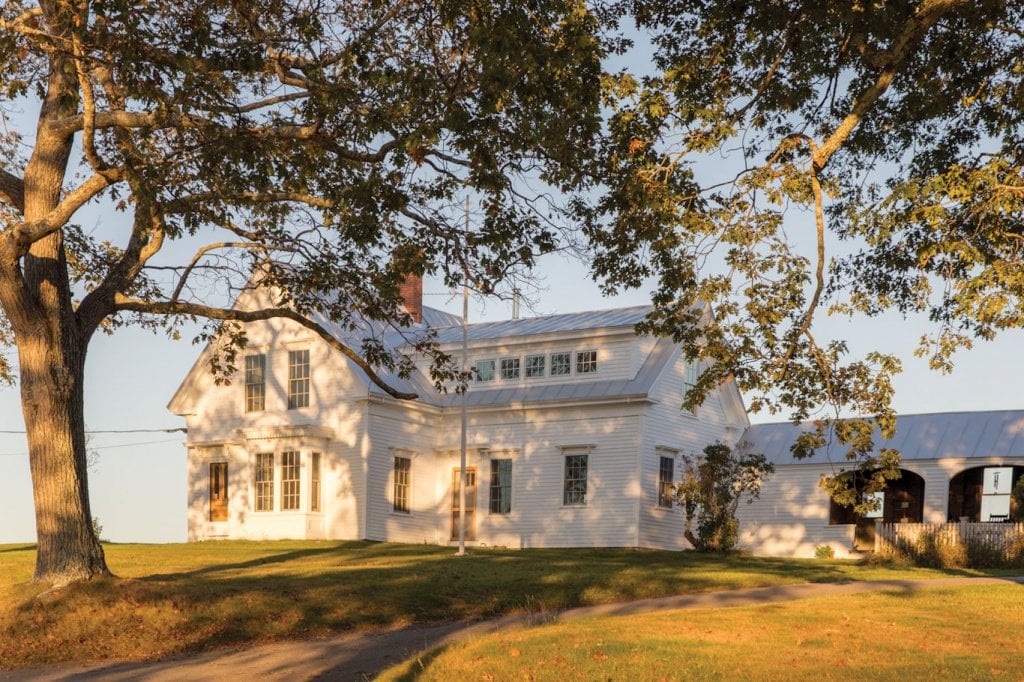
point(575, 435)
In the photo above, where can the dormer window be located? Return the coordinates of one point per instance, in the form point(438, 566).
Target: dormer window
point(485, 370)
point(509, 369)
point(534, 366)
point(586, 362)
point(561, 364)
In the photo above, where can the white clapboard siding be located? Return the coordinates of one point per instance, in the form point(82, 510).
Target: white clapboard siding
point(671, 431)
point(394, 431)
point(535, 439)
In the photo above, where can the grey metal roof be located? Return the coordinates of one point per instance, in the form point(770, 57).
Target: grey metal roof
point(545, 324)
point(637, 387)
point(918, 436)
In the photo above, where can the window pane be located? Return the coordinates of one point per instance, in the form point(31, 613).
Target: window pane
point(255, 383)
point(575, 489)
point(314, 483)
point(265, 481)
point(290, 480)
point(403, 466)
point(586, 362)
point(501, 486)
point(298, 379)
point(485, 370)
point(665, 474)
point(689, 379)
point(535, 365)
point(509, 368)
point(561, 364)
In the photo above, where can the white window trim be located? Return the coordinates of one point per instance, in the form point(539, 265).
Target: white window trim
point(673, 453)
point(566, 451)
point(526, 365)
point(576, 362)
point(510, 358)
point(411, 456)
point(305, 448)
point(684, 385)
point(494, 371)
point(572, 360)
point(288, 379)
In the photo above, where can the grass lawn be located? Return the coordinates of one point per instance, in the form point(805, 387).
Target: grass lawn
point(177, 598)
point(963, 633)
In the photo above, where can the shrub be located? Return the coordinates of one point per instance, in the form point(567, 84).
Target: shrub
point(710, 491)
point(939, 550)
point(824, 552)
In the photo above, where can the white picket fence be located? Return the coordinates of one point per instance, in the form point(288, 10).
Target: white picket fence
point(993, 539)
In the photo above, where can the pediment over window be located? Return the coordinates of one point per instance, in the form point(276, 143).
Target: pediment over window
point(295, 431)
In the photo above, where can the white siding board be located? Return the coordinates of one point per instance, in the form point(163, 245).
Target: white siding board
point(666, 425)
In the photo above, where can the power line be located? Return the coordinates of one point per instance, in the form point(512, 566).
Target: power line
point(102, 447)
point(180, 429)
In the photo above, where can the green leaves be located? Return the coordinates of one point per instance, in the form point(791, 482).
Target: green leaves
point(710, 491)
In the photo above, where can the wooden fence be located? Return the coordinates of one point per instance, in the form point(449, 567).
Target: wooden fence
point(991, 539)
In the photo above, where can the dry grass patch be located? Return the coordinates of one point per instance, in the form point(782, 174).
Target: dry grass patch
point(967, 633)
point(171, 599)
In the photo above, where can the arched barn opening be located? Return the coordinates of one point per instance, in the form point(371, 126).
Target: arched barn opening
point(902, 501)
point(984, 494)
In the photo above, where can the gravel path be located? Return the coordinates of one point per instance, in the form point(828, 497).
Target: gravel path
point(358, 656)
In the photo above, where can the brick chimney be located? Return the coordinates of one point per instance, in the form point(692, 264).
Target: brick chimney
point(412, 296)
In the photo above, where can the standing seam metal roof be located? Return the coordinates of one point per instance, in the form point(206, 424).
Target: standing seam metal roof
point(546, 324)
point(918, 436)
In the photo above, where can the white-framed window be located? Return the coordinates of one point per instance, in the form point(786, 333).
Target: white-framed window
point(255, 382)
point(290, 475)
point(501, 486)
point(586, 361)
point(561, 364)
point(402, 484)
point(264, 481)
point(485, 370)
point(314, 482)
point(690, 374)
point(666, 474)
point(509, 369)
point(535, 366)
point(574, 488)
point(298, 379)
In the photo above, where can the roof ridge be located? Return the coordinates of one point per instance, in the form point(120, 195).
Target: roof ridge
point(551, 315)
point(903, 415)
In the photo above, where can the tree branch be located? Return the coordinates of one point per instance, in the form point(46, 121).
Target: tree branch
point(213, 247)
point(123, 303)
point(12, 191)
point(913, 31)
point(26, 234)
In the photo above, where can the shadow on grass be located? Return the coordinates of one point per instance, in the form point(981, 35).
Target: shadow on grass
point(301, 592)
point(18, 548)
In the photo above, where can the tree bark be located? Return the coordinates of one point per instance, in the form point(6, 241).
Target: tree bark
point(52, 402)
point(36, 297)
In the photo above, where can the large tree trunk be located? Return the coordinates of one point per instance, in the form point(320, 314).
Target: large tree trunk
point(52, 402)
point(51, 350)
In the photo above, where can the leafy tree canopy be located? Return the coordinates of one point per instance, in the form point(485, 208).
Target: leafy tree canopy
point(869, 158)
point(321, 148)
